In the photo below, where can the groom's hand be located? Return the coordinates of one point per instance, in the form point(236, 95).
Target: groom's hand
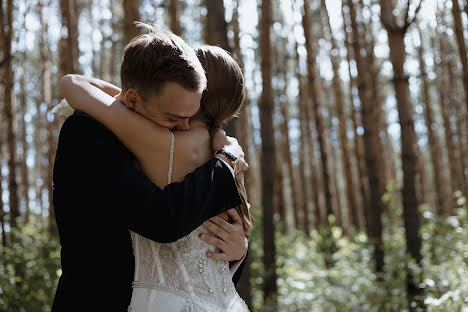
point(230, 238)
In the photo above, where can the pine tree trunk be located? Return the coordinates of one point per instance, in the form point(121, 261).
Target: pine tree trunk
point(457, 22)
point(245, 126)
point(2, 212)
point(113, 53)
point(350, 193)
point(24, 144)
point(462, 135)
point(444, 103)
point(384, 159)
point(315, 96)
point(358, 141)
point(268, 148)
point(442, 194)
point(68, 45)
point(38, 164)
point(396, 36)
point(174, 13)
point(279, 198)
point(9, 109)
point(301, 215)
point(131, 15)
point(46, 97)
point(307, 156)
point(371, 141)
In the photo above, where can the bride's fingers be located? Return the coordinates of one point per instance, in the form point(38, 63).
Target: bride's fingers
point(221, 256)
point(214, 241)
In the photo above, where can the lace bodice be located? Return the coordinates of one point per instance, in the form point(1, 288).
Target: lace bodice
point(183, 269)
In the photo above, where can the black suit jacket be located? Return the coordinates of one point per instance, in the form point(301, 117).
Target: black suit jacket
point(99, 196)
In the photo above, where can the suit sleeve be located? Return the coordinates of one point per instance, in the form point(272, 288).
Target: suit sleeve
point(162, 215)
point(237, 267)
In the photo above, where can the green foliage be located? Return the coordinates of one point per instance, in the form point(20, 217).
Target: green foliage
point(305, 283)
point(29, 269)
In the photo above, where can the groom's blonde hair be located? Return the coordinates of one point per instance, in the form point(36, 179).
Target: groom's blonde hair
point(158, 56)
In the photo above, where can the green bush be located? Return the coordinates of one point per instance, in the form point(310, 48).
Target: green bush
point(305, 283)
point(29, 269)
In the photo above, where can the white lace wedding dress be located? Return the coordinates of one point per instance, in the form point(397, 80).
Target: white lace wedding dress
point(179, 277)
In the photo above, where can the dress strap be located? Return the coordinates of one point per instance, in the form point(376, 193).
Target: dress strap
point(171, 158)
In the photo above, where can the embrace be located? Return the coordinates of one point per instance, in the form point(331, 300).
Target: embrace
point(149, 196)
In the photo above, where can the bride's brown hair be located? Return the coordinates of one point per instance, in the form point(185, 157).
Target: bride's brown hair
point(221, 101)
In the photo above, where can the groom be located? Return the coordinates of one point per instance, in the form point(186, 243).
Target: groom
point(99, 194)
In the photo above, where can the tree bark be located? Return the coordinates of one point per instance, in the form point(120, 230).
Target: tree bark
point(457, 23)
point(315, 96)
point(358, 141)
point(9, 109)
point(396, 36)
point(454, 176)
point(440, 185)
point(131, 15)
point(266, 106)
point(371, 141)
point(46, 97)
point(461, 133)
point(174, 13)
point(24, 144)
point(306, 157)
point(2, 211)
point(68, 45)
point(350, 193)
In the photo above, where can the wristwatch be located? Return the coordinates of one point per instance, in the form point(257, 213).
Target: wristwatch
point(227, 154)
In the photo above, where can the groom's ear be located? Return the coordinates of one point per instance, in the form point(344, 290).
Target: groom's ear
point(131, 99)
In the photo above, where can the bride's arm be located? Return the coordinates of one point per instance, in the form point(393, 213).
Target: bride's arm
point(149, 142)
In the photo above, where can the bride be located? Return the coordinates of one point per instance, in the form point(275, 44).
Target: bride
point(175, 276)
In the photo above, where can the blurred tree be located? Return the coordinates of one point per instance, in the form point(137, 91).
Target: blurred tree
point(396, 40)
point(458, 25)
point(371, 139)
point(6, 35)
point(46, 98)
point(358, 141)
point(68, 43)
point(440, 185)
point(174, 13)
point(454, 96)
point(301, 214)
point(245, 124)
point(114, 39)
point(316, 98)
point(266, 107)
point(441, 60)
point(334, 57)
point(24, 143)
point(131, 10)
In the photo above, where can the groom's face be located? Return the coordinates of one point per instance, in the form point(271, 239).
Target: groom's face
point(171, 107)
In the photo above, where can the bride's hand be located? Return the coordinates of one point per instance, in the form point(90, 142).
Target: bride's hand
point(229, 144)
point(230, 238)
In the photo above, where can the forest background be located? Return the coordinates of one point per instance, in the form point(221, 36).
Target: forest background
point(355, 127)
